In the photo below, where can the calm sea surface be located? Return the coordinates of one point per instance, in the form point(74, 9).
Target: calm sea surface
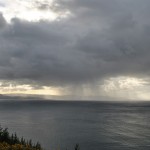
point(94, 125)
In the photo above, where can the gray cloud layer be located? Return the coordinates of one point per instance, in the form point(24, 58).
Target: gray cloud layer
point(103, 38)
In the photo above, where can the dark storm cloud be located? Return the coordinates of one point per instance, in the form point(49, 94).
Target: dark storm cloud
point(102, 38)
point(2, 21)
point(40, 52)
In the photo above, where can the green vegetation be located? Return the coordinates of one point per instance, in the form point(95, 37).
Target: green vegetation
point(12, 142)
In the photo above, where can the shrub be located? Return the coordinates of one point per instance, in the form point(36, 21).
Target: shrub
point(12, 142)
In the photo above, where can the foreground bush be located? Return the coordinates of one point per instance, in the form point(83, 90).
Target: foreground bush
point(12, 142)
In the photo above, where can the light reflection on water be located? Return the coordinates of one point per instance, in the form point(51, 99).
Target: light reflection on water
point(94, 125)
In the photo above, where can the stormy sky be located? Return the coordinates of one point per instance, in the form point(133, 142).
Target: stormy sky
point(93, 49)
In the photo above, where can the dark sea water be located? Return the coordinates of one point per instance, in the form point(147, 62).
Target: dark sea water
point(94, 125)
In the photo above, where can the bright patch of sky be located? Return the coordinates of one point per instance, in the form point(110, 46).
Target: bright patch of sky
point(123, 83)
point(127, 88)
point(11, 88)
point(118, 88)
point(31, 10)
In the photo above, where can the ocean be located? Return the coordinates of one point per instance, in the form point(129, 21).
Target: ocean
point(58, 125)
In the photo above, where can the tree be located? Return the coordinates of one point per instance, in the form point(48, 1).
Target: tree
point(77, 147)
